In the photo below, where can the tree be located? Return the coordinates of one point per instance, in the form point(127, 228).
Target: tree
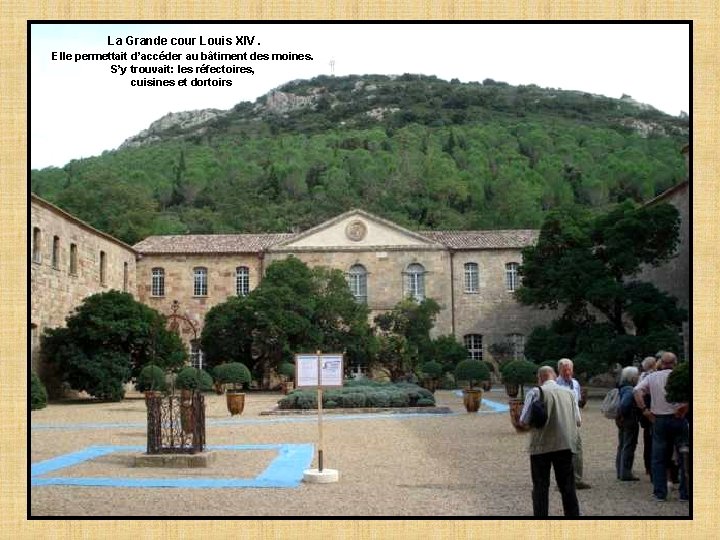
point(107, 341)
point(587, 267)
point(405, 336)
point(295, 309)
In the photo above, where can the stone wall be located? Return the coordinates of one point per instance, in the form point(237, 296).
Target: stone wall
point(493, 311)
point(385, 280)
point(55, 292)
point(179, 282)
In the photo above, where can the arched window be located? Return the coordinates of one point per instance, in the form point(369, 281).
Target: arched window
point(200, 282)
point(517, 346)
point(158, 282)
point(415, 282)
point(472, 277)
point(357, 280)
point(474, 346)
point(242, 281)
point(511, 276)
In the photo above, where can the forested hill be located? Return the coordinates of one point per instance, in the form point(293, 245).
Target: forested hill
point(423, 152)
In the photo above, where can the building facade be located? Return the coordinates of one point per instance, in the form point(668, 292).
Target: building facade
point(70, 260)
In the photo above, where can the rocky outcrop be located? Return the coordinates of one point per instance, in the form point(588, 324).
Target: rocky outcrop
point(182, 121)
point(282, 102)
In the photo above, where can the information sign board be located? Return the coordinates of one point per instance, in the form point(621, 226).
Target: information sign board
point(307, 372)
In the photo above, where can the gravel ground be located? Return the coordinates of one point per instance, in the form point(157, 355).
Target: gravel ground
point(446, 465)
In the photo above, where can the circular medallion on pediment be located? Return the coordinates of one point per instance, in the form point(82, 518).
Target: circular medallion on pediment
point(356, 230)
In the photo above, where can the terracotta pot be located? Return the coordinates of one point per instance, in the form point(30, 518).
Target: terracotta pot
point(235, 402)
point(516, 406)
point(472, 399)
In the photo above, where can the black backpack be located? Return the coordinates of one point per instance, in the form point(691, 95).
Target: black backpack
point(538, 412)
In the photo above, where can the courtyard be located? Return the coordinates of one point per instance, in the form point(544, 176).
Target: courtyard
point(404, 465)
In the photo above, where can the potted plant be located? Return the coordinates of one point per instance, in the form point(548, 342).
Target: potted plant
point(235, 374)
point(286, 370)
point(188, 381)
point(517, 373)
point(472, 372)
point(151, 381)
point(431, 372)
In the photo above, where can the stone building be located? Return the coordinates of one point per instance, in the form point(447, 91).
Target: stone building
point(70, 260)
point(471, 274)
point(673, 277)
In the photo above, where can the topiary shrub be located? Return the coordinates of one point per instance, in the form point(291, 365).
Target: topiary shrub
point(191, 378)
point(151, 377)
point(471, 372)
point(378, 399)
point(426, 402)
point(519, 372)
point(354, 400)
point(234, 373)
point(399, 398)
point(287, 371)
point(378, 395)
point(38, 394)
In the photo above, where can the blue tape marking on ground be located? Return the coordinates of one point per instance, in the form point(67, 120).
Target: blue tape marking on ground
point(495, 406)
point(284, 471)
point(289, 466)
point(60, 462)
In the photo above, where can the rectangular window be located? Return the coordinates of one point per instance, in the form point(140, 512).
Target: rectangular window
point(200, 282)
point(157, 287)
point(73, 259)
point(36, 245)
point(471, 278)
point(517, 346)
point(56, 252)
point(511, 276)
point(473, 344)
point(125, 277)
point(242, 281)
point(103, 267)
point(196, 355)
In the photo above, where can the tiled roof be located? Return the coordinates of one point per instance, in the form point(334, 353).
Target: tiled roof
point(508, 239)
point(255, 243)
point(210, 243)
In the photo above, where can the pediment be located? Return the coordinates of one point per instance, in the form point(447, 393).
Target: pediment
point(356, 229)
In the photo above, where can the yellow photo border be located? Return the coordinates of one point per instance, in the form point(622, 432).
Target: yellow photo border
point(13, 275)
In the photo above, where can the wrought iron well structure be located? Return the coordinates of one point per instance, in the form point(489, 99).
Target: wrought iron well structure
point(176, 424)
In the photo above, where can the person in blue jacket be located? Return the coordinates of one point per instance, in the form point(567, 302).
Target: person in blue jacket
point(628, 424)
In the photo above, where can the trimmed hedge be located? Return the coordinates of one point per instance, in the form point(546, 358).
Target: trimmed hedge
point(38, 394)
point(358, 396)
point(151, 377)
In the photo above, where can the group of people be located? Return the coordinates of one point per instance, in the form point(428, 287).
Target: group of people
point(558, 443)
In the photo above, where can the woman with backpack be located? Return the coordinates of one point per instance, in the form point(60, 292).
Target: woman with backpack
point(628, 424)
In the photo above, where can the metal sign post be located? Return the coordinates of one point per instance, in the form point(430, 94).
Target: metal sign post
point(320, 409)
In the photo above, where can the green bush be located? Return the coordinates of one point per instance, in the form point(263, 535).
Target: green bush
point(432, 369)
point(191, 378)
point(679, 384)
point(356, 396)
point(151, 377)
point(38, 394)
point(471, 372)
point(287, 370)
point(235, 373)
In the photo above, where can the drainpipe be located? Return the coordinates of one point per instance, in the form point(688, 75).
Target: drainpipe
point(452, 292)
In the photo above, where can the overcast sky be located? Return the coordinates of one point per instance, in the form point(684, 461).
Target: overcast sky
point(79, 109)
